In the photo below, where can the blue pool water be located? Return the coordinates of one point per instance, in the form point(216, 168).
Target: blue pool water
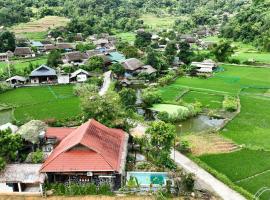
point(147, 178)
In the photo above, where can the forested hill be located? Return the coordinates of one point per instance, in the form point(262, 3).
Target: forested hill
point(251, 25)
point(180, 7)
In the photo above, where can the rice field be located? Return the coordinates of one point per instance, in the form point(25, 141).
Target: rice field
point(45, 102)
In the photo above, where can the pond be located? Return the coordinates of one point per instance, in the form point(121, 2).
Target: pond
point(5, 116)
point(198, 124)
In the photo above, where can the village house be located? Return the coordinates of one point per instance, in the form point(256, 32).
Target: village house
point(116, 57)
point(24, 52)
point(3, 57)
point(65, 46)
point(38, 45)
point(16, 80)
point(43, 74)
point(132, 64)
point(91, 153)
point(79, 75)
point(22, 178)
point(94, 52)
point(74, 58)
point(147, 69)
point(59, 39)
point(49, 47)
point(78, 37)
point(205, 67)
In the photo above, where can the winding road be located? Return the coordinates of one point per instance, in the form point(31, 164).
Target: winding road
point(106, 83)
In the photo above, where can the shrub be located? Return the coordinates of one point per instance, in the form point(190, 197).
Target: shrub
point(79, 189)
point(188, 182)
point(230, 104)
point(184, 147)
point(104, 189)
point(4, 87)
point(150, 97)
point(168, 79)
point(37, 157)
point(2, 163)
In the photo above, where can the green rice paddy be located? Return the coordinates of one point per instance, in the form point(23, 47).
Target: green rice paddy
point(45, 102)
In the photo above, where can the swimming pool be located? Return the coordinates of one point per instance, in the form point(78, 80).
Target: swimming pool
point(147, 178)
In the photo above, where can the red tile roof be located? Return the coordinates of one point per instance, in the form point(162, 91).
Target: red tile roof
point(90, 147)
point(58, 133)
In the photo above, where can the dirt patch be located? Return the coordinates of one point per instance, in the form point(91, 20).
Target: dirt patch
point(210, 143)
point(41, 25)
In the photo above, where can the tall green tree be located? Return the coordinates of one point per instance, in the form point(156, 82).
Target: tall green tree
point(128, 97)
point(162, 136)
point(223, 51)
point(7, 41)
point(10, 144)
point(107, 109)
point(54, 58)
point(143, 39)
point(118, 69)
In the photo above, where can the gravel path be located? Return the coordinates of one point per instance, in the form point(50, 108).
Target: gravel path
point(206, 180)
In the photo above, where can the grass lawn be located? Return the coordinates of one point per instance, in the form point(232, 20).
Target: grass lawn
point(171, 109)
point(44, 102)
point(126, 37)
point(158, 22)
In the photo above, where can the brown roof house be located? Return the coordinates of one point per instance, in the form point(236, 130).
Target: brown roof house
point(65, 46)
point(132, 64)
point(24, 52)
point(49, 47)
point(75, 58)
point(22, 178)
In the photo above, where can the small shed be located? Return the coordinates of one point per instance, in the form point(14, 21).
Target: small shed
point(16, 80)
point(79, 76)
point(3, 56)
point(22, 178)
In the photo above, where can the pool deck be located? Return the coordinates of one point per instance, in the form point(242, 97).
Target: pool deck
point(204, 179)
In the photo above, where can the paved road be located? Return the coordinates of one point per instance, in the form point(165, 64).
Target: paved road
point(206, 180)
point(106, 83)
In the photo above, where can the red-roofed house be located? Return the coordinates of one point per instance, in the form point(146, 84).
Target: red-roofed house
point(89, 153)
